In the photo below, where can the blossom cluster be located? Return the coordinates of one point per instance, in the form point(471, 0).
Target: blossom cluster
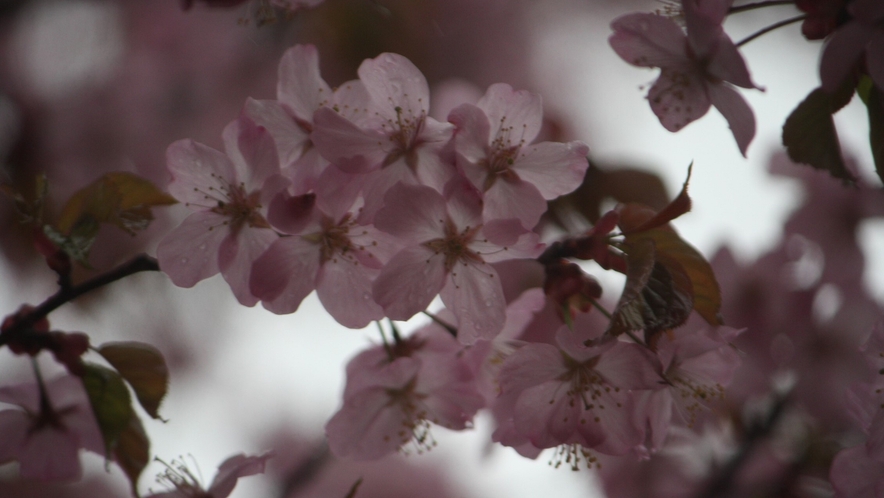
point(357, 193)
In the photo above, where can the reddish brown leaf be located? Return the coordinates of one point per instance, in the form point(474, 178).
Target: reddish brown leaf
point(133, 451)
point(143, 367)
point(636, 219)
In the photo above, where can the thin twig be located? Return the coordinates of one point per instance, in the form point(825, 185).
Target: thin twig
point(770, 28)
point(137, 264)
point(759, 5)
point(442, 323)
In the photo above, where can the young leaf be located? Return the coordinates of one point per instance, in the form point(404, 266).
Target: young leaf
point(118, 198)
point(133, 451)
point(110, 402)
point(639, 266)
point(705, 292)
point(633, 217)
point(144, 368)
point(810, 137)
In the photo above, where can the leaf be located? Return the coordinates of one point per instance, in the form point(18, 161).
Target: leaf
point(133, 451)
point(705, 291)
point(630, 221)
point(78, 243)
point(639, 266)
point(810, 137)
point(143, 367)
point(30, 211)
point(110, 402)
point(118, 198)
point(875, 106)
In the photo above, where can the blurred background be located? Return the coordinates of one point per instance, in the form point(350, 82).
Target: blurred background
point(90, 86)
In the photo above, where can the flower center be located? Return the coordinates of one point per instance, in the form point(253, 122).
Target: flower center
point(455, 246)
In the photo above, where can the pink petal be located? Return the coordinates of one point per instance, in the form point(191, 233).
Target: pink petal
point(300, 86)
point(50, 454)
point(727, 64)
point(471, 142)
point(736, 110)
point(464, 203)
point(501, 240)
point(293, 214)
point(393, 82)
point(232, 469)
point(649, 40)
point(347, 146)
point(251, 149)
point(855, 475)
point(285, 274)
point(344, 288)
point(703, 20)
point(875, 58)
point(189, 253)
point(367, 427)
point(414, 213)
point(236, 256)
point(513, 115)
point(291, 140)
point(554, 168)
point(514, 199)
point(841, 53)
point(196, 171)
point(678, 98)
point(475, 296)
point(14, 425)
point(409, 282)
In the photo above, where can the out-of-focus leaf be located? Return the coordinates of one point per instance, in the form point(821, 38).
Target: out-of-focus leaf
point(29, 211)
point(118, 198)
point(110, 402)
point(624, 184)
point(679, 206)
point(133, 451)
point(875, 106)
point(810, 137)
point(144, 368)
point(863, 87)
point(78, 243)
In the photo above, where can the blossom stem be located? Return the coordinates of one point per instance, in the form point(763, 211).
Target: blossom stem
point(610, 316)
point(45, 405)
point(65, 295)
point(759, 5)
point(442, 323)
point(776, 25)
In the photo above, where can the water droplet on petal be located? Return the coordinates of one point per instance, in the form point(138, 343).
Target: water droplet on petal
point(202, 247)
point(488, 303)
point(184, 261)
point(366, 296)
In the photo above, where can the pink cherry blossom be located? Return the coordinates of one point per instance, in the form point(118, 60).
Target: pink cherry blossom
point(46, 436)
point(574, 395)
point(856, 474)
point(448, 246)
point(697, 69)
point(494, 149)
point(186, 485)
point(289, 119)
point(697, 365)
point(330, 249)
point(864, 34)
point(394, 139)
point(394, 392)
point(228, 193)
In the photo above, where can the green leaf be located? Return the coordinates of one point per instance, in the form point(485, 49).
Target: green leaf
point(143, 367)
point(875, 106)
point(133, 451)
point(810, 137)
point(117, 198)
point(110, 402)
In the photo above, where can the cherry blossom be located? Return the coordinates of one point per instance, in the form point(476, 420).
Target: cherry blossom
point(697, 69)
point(494, 150)
point(574, 396)
point(46, 436)
point(329, 250)
point(394, 138)
point(394, 392)
point(186, 485)
point(228, 193)
point(448, 246)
